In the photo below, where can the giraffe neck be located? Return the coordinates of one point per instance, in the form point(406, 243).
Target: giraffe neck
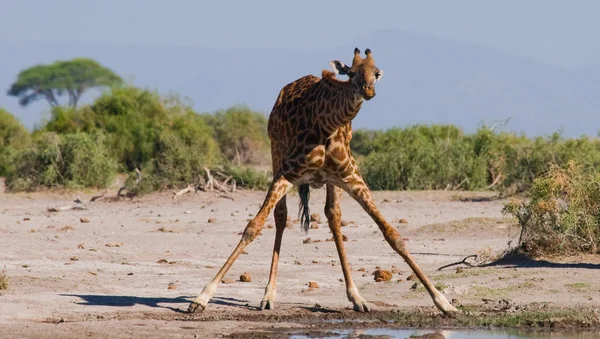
point(340, 103)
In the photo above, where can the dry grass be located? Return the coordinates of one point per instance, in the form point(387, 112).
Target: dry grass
point(4, 281)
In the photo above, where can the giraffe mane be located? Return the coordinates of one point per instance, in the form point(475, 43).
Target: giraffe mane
point(330, 77)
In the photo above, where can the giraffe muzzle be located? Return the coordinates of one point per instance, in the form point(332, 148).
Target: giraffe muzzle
point(368, 93)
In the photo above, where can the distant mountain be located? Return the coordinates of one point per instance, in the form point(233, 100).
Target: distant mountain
point(426, 80)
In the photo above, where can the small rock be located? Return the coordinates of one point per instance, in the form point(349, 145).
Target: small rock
point(245, 277)
point(297, 262)
point(312, 284)
point(307, 241)
point(26, 219)
point(455, 302)
point(227, 281)
point(172, 286)
point(362, 269)
point(412, 277)
point(401, 221)
point(270, 226)
point(314, 226)
point(84, 220)
point(382, 275)
point(459, 270)
point(211, 220)
point(345, 223)
point(188, 212)
point(130, 273)
point(74, 259)
point(162, 261)
point(344, 238)
point(316, 217)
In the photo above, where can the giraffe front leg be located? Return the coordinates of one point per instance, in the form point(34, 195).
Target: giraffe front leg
point(356, 187)
point(280, 213)
point(333, 213)
point(279, 188)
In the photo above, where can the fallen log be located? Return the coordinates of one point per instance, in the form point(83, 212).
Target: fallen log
point(65, 208)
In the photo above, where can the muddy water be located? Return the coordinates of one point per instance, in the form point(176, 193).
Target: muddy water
point(446, 334)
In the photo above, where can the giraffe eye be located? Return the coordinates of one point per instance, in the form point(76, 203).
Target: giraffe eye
point(377, 74)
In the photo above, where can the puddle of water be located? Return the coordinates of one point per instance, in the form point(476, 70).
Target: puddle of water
point(447, 334)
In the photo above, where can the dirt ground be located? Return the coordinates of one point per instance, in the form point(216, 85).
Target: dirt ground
point(133, 268)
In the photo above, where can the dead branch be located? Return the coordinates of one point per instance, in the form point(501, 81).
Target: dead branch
point(464, 261)
point(461, 183)
point(97, 197)
point(183, 191)
point(65, 208)
point(210, 183)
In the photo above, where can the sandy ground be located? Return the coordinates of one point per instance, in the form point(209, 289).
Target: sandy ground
point(133, 268)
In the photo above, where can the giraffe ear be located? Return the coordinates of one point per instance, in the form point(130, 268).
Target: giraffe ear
point(339, 67)
point(378, 74)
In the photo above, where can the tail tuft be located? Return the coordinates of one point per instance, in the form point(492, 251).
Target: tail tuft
point(304, 211)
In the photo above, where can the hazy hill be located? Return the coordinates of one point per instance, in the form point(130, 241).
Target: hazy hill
point(427, 80)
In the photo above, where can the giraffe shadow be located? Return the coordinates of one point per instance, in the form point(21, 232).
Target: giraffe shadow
point(129, 301)
point(521, 260)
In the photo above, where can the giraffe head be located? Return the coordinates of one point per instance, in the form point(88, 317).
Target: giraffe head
point(363, 73)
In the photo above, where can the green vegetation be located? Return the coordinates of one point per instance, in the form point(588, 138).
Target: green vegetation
point(69, 160)
point(72, 77)
point(562, 214)
point(125, 129)
point(13, 135)
point(3, 281)
point(443, 157)
point(540, 316)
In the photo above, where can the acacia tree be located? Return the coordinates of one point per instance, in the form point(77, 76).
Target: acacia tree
point(71, 77)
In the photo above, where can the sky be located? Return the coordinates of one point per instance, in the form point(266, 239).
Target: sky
point(557, 32)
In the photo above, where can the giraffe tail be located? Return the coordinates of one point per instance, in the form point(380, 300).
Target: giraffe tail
point(304, 211)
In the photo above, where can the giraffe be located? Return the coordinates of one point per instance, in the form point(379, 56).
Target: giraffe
point(310, 132)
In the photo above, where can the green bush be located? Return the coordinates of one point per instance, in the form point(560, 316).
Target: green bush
point(442, 157)
point(70, 160)
point(562, 212)
point(13, 136)
point(242, 135)
point(422, 157)
point(248, 177)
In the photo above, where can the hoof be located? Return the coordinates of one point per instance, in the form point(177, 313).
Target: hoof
point(362, 307)
point(194, 307)
point(446, 307)
point(451, 312)
point(267, 305)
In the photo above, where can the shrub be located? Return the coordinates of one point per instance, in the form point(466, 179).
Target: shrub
point(4, 281)
point(443, 157)
point(422, 157)
point(13, 136)
point(562, 214)
point(71, 160)
point(242, 135)
point(247, 177)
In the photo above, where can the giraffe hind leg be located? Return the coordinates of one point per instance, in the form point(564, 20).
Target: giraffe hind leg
point(333, 213)
point(280, 214)
point(279, 188)
point(354, 185)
